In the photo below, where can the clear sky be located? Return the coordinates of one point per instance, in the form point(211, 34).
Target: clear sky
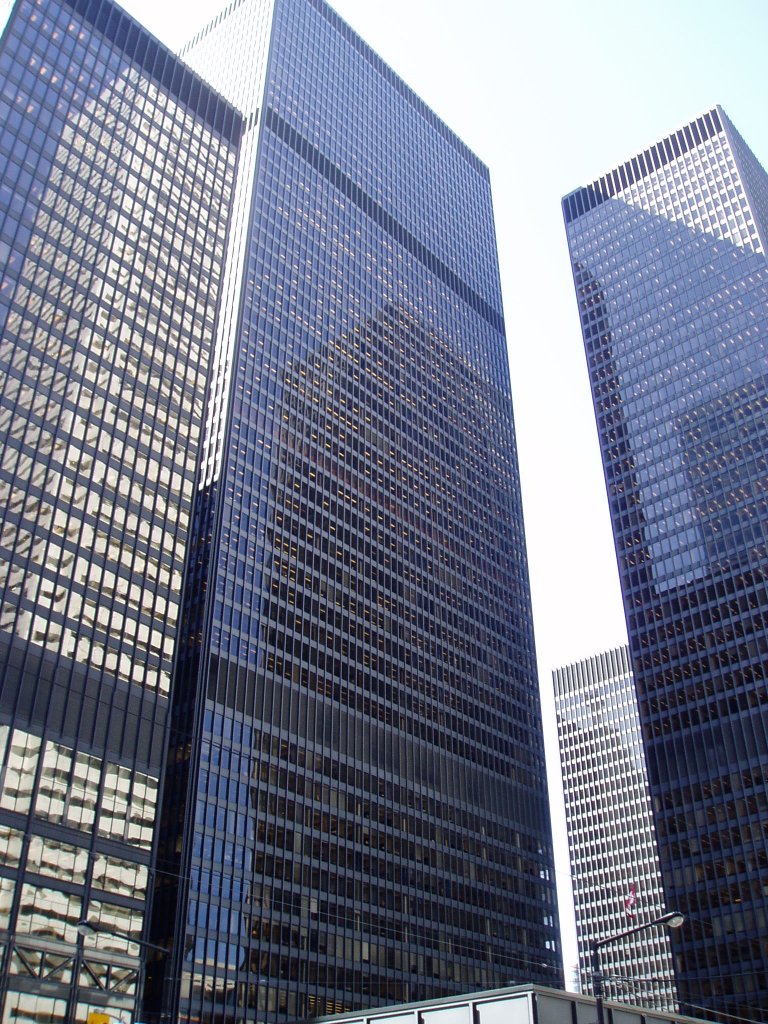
point(551, 94)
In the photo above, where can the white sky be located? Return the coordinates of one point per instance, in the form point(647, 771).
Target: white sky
point(551, 94)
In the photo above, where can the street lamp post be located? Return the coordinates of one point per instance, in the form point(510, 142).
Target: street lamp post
point(673, 919)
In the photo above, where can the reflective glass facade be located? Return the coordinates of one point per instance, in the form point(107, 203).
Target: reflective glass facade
point(116, 173)
point(356, 802)
point(669, 259)
point(611, 837)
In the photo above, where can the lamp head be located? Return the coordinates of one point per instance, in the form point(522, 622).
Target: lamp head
point(674, 919)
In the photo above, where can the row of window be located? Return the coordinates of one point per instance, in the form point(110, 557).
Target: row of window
point(54, 782)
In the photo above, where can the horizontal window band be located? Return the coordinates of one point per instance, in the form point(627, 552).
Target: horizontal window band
point(332, 173)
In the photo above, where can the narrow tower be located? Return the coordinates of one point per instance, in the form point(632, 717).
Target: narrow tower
point(611, 835)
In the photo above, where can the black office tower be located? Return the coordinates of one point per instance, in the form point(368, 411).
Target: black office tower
point(116, 171)
point(356, 808)
point(669, 261)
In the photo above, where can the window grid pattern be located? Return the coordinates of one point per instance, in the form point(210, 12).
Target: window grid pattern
point(371, 821)
point(116, 174)
point(611, 838)
point(238, 73)
point(672, 284)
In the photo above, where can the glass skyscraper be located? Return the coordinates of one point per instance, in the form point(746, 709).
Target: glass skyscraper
point(117, 169)
point(611, 836)
point(669, 262)
point(355, 810)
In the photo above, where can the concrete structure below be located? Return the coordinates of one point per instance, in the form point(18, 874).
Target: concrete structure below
point(523, 1004)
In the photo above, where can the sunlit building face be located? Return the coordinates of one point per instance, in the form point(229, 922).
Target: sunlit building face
point(611, 838)
point(116, 176)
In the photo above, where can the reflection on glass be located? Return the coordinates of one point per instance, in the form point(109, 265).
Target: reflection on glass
point(115, 875)
point(56, 859)
point(19, 775)
point(69, 786)
point(11, 840)
point(40, 963)
point(48, 913)
point(125, 379)
point(28, 1008)
point(129, 805)
point(102, 975)
point(7, 887)
point(107, 306)
point(116, 929)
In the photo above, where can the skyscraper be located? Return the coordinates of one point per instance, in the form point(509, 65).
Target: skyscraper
point(669, 262)
point(611, 836)
point(116, 170)
point(355, 808)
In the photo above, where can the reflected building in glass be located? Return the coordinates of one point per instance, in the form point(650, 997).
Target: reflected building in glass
point(117, 168)
point(669, 262)
point(611, 837)
point(355, 810)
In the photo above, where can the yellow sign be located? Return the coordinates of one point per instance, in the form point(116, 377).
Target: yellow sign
point(99, 1018)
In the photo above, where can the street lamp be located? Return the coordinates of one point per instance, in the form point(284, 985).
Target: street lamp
point(673, 919)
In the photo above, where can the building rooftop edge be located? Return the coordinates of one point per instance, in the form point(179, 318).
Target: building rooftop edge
point(160, 63)
point(365, 49)
point(648, 160)
point(617, 651)
point(493, 995)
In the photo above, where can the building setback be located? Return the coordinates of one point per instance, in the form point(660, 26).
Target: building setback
point(669, 263)
point(611, 837)
point(356, 807)
point(116, 171)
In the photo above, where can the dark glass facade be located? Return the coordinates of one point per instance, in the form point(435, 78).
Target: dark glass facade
point(116, 174)
point(356, 805)
point(669, 262)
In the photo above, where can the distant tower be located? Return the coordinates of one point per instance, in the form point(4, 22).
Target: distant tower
point(356, 806)
point(669, 262)
point(611, 836)
point(116, 167)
